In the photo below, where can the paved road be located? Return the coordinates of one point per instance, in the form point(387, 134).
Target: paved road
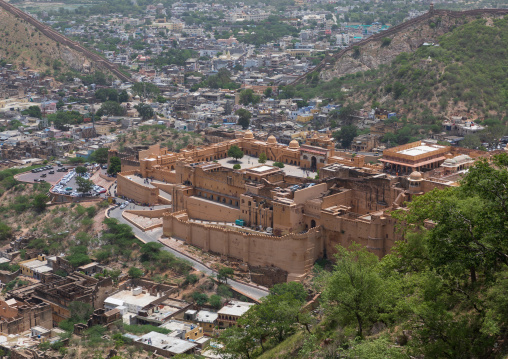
point(154, 235)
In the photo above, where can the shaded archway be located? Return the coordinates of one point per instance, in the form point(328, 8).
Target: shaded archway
point(312, 223)
point(313, 162)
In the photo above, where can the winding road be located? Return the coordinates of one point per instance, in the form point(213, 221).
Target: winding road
point(253, 291)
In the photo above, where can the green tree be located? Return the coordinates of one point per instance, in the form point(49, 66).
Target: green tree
point(237, 166)
point(115, 165)
point(200, 298)
point(244, 117)
point(145, 111)
point(100, 155)
point(215, 301)
point(135, 272)
point(354, 289)
point(111, 108)
point(262, 158)
point(235, 152)
point(268, 92)
point(247, 97)
point(84, 185)
point(145, 89)
point(279, 164)
point(123, 96)
point(225, 273)
point(5, 232)
point(346, 134)
point(237, 342)
point(81, 170)
point(80, 312)
point(33, 111)
point(39, 202)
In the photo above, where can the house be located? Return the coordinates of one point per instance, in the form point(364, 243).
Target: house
point(165, 345)
point(231, 312)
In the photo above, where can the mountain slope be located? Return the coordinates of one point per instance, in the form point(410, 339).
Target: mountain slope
point(23, 45)
point(465, 75)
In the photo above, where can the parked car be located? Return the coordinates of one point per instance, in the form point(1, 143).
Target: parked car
point(51, 172)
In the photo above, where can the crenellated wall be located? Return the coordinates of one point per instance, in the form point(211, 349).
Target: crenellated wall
point(294, 253)
point(136, 191)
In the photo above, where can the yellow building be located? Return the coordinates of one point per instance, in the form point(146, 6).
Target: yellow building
point(35, 267)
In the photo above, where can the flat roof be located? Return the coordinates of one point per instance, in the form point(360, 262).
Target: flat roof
point(420, 150)
point(235, 308)
point(261, 168)
point(126, 297)
point(165, 342)
point(206, 316)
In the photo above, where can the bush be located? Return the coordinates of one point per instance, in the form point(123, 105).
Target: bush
point(237, 166)
point(278, 164)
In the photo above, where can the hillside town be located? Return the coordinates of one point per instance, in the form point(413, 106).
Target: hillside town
point(194, 205)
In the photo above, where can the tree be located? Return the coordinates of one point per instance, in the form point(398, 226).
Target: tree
point(237, 342)
point(244, 117)
point(115, 165)
point(78, 256)
point(111, 108)
point(123, 96)
point(262, 158)
point(268, 92)
point(237, 166)
point(225, 273)
point(145, 111)
point(80, 312)
point(145, 89)
point(235, 152)
point(247, 97)
point(84, 185)
point(279, 164)
point(33, 111)
point(215, 301)
point(5, 232)
point(346, 135)
point(81, 170)
point(100, 155)
point(39, 202)
point(354, 289)
point(135, 272)
point(200, 298)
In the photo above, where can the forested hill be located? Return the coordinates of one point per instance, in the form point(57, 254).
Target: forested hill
point(440, 293)
point(464, 73)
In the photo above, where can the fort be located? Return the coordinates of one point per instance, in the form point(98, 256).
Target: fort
point(266, 216)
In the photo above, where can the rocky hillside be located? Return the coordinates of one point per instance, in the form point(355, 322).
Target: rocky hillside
point(461, 71)
point(385, 47)
point(24, 46)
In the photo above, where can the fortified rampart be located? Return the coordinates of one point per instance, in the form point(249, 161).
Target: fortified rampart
point(294, 253)
point(136, 191)
point(53, 35)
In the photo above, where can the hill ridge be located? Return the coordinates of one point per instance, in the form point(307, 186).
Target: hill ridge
point(394, 31)
point(61, 39)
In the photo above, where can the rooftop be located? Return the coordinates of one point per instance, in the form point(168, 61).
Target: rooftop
point(126, 297)
point(420, 150)
point(206, 316)
point(235, 308)
point(165, 342)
